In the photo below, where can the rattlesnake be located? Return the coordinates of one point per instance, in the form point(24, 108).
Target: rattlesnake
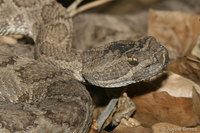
point(47, 94)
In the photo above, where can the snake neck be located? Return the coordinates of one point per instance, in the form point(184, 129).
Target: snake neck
point(70, 61)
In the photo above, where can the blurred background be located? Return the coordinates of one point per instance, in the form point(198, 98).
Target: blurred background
point(132, 6)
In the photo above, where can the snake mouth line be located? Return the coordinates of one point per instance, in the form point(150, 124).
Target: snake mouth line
point(152, 72)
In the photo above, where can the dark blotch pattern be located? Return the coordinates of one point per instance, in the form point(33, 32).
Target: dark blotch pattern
point(10, 61)
point(26, 3)
point(124, 46)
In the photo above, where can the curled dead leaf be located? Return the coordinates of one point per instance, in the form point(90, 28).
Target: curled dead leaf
point(180, 33)
point(171, 102)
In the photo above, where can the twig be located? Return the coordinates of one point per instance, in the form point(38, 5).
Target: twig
point(110, 108)
point(192, 59)
point(89, 6)
point(74, 5)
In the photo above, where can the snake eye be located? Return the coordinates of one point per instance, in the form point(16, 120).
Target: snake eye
point(133, 61)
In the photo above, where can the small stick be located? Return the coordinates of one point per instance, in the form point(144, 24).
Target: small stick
point(106, 113)
point(74, 5)
point(88, 6)
point(192, 59)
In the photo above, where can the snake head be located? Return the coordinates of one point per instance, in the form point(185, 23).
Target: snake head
point(122, 62)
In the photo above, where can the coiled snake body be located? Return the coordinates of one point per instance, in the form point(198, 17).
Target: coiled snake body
point(46, 94)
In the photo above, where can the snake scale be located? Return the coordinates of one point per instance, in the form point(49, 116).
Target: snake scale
point(47, 94)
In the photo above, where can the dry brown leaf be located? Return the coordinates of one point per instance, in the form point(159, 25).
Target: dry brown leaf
point(196, 102)
point(170, 128)
point(125, 129)
point(186, 68)
point(177, 86)
point(196, 49)
point(179, 32)
point(172, 103)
